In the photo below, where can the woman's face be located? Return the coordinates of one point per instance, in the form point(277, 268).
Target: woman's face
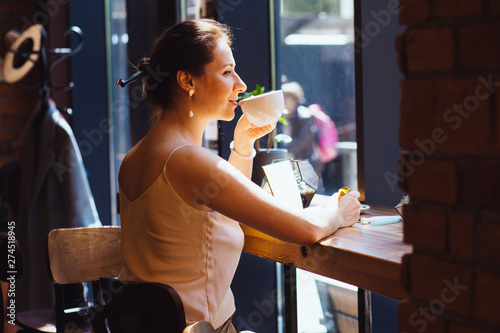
point(216, 91)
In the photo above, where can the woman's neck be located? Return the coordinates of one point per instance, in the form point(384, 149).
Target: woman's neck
point(191, 128)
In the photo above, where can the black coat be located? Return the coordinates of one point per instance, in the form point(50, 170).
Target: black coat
point(53, 192)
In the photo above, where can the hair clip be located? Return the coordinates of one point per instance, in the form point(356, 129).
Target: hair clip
point(131, 79)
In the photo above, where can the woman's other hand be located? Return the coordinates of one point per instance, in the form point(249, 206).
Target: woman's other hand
point(348, 208)
point(246, 133)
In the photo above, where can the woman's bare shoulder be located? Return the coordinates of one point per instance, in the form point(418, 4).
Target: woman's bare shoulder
point(142, 155)
point(142, 165)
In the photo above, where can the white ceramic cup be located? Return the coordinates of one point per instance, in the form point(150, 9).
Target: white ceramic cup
point(264, 109)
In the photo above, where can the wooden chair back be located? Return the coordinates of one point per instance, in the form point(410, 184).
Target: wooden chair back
point(84, 254)
point(75, 256)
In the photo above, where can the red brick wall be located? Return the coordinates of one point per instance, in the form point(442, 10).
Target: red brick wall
point(16, 104)
point(450, 131)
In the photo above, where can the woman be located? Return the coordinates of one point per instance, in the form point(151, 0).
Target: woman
point(179, 202)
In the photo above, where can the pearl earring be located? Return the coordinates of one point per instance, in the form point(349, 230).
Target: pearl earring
point(190, 92)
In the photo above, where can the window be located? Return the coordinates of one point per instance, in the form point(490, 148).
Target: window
point(317, 52)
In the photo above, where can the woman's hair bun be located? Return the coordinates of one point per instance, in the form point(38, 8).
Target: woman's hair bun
point(143, 63)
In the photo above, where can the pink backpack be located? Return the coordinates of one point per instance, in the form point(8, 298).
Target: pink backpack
point(327, 133)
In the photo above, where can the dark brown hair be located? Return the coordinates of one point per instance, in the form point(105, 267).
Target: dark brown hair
point(187, 46)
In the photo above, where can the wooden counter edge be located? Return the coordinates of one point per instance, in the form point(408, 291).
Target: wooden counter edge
point(370, 273)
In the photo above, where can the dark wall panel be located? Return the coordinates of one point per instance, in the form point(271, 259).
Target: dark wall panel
point(145, 21)
point(381, 99)
point(90, 121)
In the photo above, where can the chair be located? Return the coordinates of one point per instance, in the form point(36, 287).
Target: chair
point(75, 255)
point(137, 307)
point(340, 307)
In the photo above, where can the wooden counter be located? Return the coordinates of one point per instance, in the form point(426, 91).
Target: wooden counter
point(366, 256)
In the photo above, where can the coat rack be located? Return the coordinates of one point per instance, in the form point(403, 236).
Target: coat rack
point(29, 50)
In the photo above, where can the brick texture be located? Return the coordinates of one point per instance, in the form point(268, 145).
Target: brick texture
point(15, 122)
point(6, 89)
point(7, 135)
point(457, 8)
point(23, 8)
point(446, 286)
point(478, 46)
point(15, 104)
point(462, 106)
point(5, 9)
point(434, 180)
point(456, 328)
point(403, 163)
point(488, 234)
point(443, 115)
point(449, 55)
point(496, 111)
point(462, 235)
point(483, 175)
point(417, 319)
point(413, 11)
point(494, 7)
point(416, 111)
point(425, 228)
point(430, 49)
point(487, 294)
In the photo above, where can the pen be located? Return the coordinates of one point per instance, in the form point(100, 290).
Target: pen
point(343, 191)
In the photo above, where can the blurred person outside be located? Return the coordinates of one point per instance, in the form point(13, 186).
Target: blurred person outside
point(301, 127)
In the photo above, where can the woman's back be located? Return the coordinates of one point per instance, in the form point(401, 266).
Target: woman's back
point(147, 159)
point(166, 240)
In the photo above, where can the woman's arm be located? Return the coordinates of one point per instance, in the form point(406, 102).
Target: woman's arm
point(245, 135)
point(244, 165)
point(194, 171)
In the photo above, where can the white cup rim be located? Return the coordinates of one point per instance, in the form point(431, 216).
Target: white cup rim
point(272, 92)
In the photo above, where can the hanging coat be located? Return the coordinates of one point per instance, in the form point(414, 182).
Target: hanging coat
point(53, 193)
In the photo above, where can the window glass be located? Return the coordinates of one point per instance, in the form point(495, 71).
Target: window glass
point(316, 63)
point(317, 54)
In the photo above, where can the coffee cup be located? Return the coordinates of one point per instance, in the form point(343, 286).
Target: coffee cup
point(263, 109)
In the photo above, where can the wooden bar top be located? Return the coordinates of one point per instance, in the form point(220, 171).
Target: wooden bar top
point(366, 256)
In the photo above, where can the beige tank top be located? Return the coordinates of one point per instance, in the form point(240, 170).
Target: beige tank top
point(194, 251)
